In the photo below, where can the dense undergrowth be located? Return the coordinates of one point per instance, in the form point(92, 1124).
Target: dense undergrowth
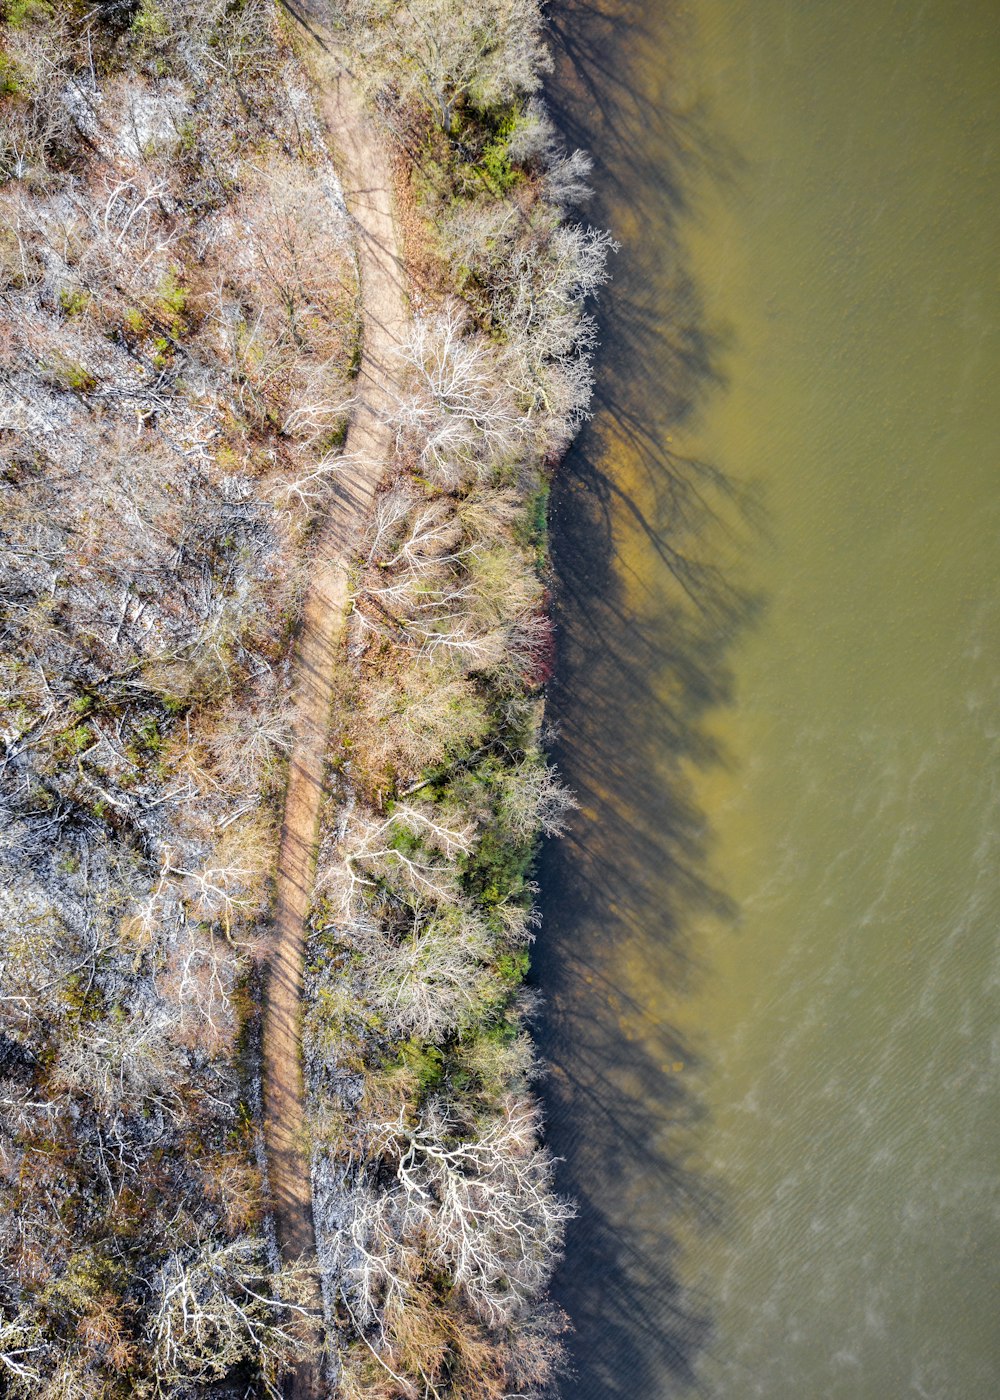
point(178, 328)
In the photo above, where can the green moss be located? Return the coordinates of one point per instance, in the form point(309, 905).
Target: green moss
point(425, 1062)
point(81, 998)
point(495, 161)
point(532, 529)
point(18, 13)
point(172, 305)
point(73, 740)
point(71, 376)
point(150, 22)
point(187, 137)
point(513, 967)
point(11, 77)
point(87, 1278)
point(148, 741)
point(334, 440)
point(74, 301)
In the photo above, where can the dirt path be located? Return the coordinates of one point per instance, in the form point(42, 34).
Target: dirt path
point(363, 165)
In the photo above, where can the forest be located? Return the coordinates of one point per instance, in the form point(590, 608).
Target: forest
point(180, 337)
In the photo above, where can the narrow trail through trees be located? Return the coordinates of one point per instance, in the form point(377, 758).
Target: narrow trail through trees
point(362, 162)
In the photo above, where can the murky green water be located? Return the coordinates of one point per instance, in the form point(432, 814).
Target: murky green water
point(771, 950)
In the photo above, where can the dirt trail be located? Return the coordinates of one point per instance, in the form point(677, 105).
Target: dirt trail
point(362, 162)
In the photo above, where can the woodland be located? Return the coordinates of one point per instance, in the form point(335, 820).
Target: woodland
point(180, 331)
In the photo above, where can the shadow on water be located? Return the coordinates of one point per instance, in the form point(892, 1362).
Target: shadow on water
point(646, 617)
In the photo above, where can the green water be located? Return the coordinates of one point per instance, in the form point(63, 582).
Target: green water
point(782, 1118)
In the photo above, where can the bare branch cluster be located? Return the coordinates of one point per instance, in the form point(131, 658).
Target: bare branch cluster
point(444, 583)
point(444, 56)
point(462, 415)
point(219, 1304)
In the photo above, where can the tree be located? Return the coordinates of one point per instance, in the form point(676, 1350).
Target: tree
point(36, 959)
point(532, 799)
point(480, 1202)
point(124, 1061)
point(215, 1304)
point(434, 981)
point(461, 416)
point(298, 251)
point(197, 981)
point(23, 1351)
point(440, 53)
point(405, 724)
point(420, 535)
point(473, 610)
point(248, 741)
point(412, 851)
point(530, 280)
point(36, 121)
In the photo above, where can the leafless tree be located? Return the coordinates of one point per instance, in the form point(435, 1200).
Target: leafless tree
point(411, 723)
point(435, 980)
point(441, 53)
point(422, 866)
point(22, 1351)
point(533, 799)
point(216, 1304)
point(248, 740)
point(418, 535)
point(126, 1060)
point(196, 981)
point(461, 416)
point(481, 1202)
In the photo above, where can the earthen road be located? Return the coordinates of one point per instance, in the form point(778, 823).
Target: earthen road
point(361, 157)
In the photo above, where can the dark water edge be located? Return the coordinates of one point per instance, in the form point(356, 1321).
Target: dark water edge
point(646, 620)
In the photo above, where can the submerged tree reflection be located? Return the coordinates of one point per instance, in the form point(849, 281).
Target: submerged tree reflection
point(647, 615)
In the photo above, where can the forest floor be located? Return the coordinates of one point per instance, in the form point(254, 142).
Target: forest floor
point(363, 164)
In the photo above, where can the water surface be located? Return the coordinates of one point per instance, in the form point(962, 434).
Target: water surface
point(771, 949)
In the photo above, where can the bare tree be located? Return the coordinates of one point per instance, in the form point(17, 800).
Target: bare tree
point(217, 1304)
point(124, 1061)
point(420, 535)
point(196, 981)
point(249, 740)
point(533, 799)
point(36, 958)
point(532, 285)
point(482, 1203)
point(23, 1351)
point(412, 850)
point(435, 980)
point(406, 724)
point(441, 53)
point(462, 415)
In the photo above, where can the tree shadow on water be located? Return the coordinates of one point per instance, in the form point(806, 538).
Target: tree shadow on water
point(647, 615)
